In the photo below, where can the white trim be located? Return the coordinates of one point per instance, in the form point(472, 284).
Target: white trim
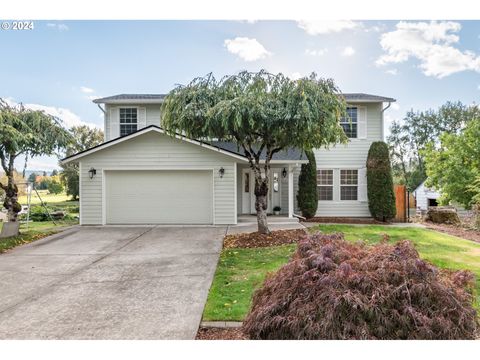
point(340, 185)
point(290, 191)
point(80, 192)
point(104, 215)
point(235, 197)
point(119, 117)
point(104, 204)
point(214, 220)
point(144, 131)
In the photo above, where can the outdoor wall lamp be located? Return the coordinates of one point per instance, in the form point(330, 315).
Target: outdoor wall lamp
point(92, 172)
point(221, 172)
point(284, 173)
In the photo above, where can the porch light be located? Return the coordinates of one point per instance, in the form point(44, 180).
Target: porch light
point(92, 172)
point(284, 173)
point(221, 172)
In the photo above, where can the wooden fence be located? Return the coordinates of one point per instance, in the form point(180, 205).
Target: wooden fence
point(400, 203)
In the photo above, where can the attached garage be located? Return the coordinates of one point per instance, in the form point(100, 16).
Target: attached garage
point(149, 177)
point(159, 197)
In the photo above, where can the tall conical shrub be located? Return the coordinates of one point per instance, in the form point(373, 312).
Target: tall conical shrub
point(307, 196)
point(381, 197)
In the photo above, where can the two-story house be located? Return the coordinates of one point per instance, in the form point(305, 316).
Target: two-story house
point(140, 175)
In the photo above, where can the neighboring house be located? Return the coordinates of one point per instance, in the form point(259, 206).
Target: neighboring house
point(425, 197)
point(140, 175)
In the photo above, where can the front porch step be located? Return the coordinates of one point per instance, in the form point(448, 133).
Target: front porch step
point(272, 219)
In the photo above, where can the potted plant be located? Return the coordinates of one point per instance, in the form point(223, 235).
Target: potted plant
point(276, 210)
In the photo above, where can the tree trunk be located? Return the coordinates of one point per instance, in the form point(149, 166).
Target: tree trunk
point(261, 203)
point(11, 192)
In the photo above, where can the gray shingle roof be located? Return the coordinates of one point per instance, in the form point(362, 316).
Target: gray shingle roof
point(366, 97)
point(288, 154)
point(361, 97)
point(121, 97)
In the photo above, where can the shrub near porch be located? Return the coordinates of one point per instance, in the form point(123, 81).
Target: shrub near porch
point(241, 271)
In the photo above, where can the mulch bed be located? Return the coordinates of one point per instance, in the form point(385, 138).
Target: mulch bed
point(257, 240)
point(342, 220)
point(220, 334)
point(459, 231)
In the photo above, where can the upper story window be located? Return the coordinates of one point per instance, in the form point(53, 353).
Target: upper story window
point(128, 121)
point(348, 184)
point(350, 122)
point(325, 184)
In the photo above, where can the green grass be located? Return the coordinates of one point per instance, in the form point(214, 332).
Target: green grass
point(46, 197)
point(241, 271)
point(36, 231)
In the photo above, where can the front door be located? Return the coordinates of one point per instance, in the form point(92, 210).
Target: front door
point(248, 191)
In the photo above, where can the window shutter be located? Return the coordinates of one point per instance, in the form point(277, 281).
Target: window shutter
point(142, 118)
point(362, 184)
point(362, 122)
point(114, 123)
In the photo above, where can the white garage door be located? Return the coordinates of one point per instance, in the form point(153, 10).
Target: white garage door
point(159, 197)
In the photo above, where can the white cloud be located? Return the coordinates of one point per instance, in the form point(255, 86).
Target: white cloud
point(316, 52)
point(59, 27)
point(432, 44)
point(68, 117)
point(86, 90)
point(392, 71)
point(395, 106)
point(348, 51)
point(246, 48)
point(327, 27)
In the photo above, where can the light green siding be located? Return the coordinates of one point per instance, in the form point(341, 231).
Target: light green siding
point(155, 151)
point(152, 117)
point(350, 156)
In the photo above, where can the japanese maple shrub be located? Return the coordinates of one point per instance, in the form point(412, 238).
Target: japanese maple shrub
point(381, 198)
point(334, 289)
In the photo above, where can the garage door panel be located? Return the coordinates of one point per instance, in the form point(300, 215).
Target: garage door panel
point(159, 197)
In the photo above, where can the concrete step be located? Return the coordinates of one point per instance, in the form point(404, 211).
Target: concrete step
point(272, 219)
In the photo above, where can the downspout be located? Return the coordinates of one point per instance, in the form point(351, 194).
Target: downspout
point(383, 120)
point(103, 110)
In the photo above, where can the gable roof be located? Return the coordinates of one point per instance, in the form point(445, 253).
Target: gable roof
point(225, 148)
point(158, 98)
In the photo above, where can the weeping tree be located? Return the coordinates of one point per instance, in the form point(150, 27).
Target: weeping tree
point(262, 113)
point(25, 133)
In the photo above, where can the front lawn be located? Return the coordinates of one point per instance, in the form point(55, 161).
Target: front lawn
point(46, 197)
point(240, 271)
point(36, 231)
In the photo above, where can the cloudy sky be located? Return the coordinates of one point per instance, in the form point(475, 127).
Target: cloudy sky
point(60, 67)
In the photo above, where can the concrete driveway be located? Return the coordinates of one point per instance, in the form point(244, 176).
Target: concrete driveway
point(109, 283)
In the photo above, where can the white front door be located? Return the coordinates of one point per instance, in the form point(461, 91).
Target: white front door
point(248, 190)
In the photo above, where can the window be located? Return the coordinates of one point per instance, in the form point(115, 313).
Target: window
point(128, 121)
point(246, 182)
point(348, 184)
point(276, 185)
point(325, 184)
point(350, 122)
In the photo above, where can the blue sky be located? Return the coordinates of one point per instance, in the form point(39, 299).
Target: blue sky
point(61, 66)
